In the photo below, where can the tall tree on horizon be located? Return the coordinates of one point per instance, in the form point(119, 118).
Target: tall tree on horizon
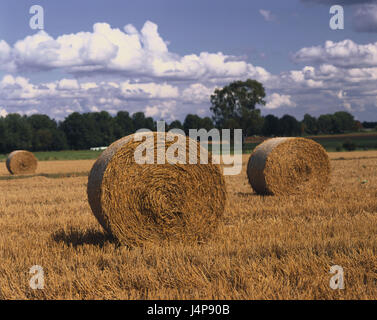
point(235, 103)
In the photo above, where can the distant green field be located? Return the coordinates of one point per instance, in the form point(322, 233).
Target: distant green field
point(362, 141)
point(332, 143)
point(62, 155)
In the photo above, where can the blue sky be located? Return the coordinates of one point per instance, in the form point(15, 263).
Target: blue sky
point(175, 53)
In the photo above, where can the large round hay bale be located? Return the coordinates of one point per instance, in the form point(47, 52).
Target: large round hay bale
point(21, 162)
point(151, 202)
point(288, 166)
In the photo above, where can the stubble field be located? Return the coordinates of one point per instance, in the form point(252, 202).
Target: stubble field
point(265, 247)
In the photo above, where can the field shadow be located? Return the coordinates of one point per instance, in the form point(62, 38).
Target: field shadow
point(245, 194)
point(251, 194)
point(46, 175)
point(75, 237)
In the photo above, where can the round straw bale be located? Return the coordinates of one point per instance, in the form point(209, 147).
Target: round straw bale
point(288, 166)
point(150, 202)
point(21, 162)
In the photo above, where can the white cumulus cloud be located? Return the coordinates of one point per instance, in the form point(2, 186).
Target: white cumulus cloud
point(126, 52)
point(276, 100)
point(113, 69)
point(68, 84)
point(3, 112)
point(344, 53)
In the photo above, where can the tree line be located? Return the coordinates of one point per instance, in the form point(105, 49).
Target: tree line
point(39, 132)
point(233, 106)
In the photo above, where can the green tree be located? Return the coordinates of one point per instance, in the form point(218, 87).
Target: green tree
point(343, 121)
point(206, 123)
point(93, 129)
point(289, 126)
point(236, 101)
point(176, 124)
point(18, 132)
point(310, 124)
point(150, 124)
point(3, 136)
point(252, 123)
point(325, 123)
point(44, 132)
point(369, 125)
point(59, 140)
point(103, 128)
point(192, 121)
point(141, 122)
point(270, 126)
point(124, 125)
point(74, 127)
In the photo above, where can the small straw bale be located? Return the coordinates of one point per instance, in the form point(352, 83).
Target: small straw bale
point(136, 203)
point(21, 162)
point(287, 166)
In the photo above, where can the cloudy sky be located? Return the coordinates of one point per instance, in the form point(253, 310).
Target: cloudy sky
point(166, 57)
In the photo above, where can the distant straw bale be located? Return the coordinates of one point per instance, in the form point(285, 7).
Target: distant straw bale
point(288, 166)
point(150, 202)
point(21, 162)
